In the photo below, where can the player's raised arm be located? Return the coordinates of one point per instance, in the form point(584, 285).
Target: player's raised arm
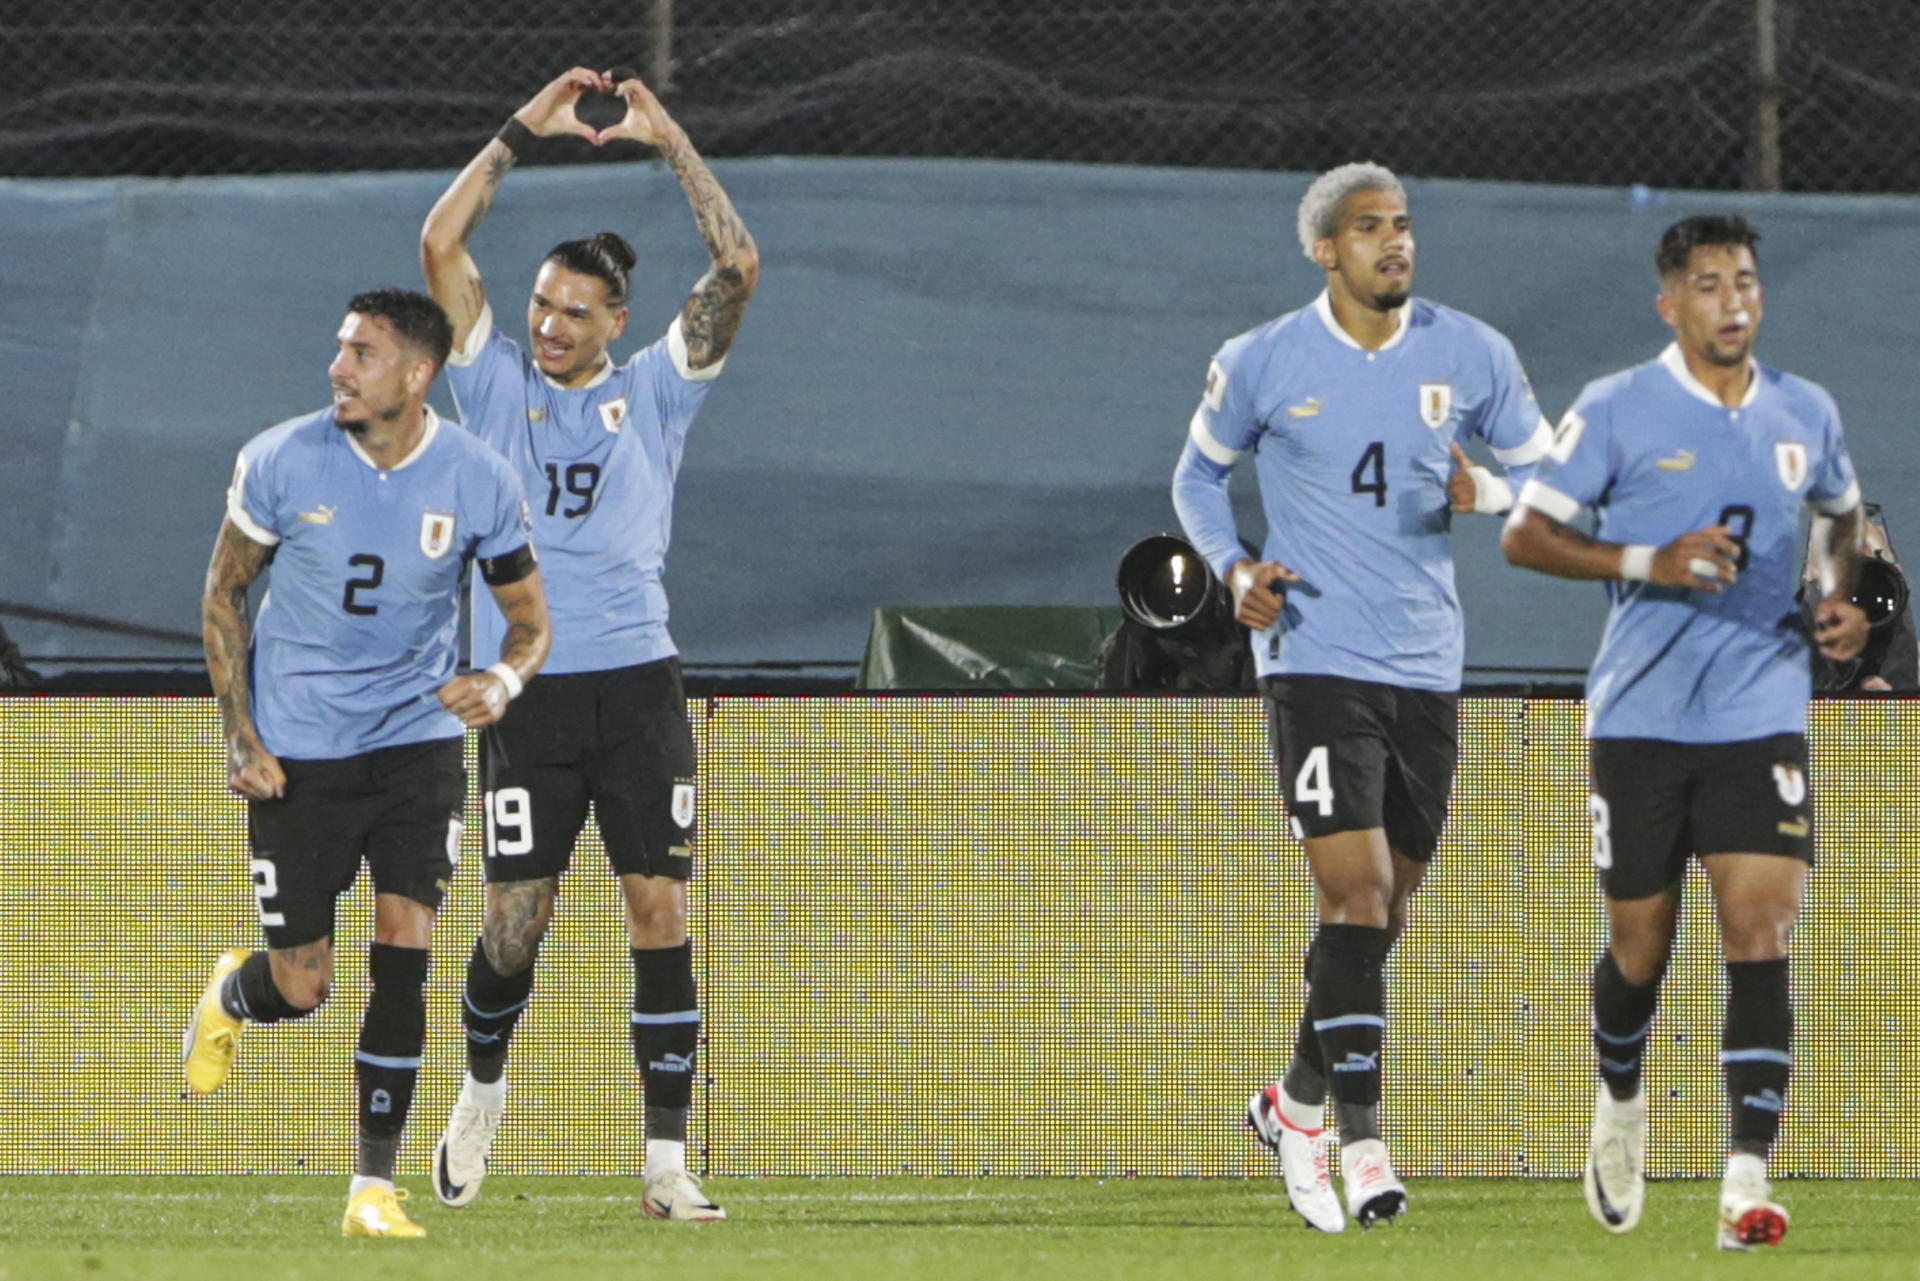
point(481, 698)
point(252, 771)
point(711, 316)
point(451, 274)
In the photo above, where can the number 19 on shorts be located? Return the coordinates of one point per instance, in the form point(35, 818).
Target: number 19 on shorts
point(509, 821)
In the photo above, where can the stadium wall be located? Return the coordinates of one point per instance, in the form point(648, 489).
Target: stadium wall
point(948, 936)
point(962, 383)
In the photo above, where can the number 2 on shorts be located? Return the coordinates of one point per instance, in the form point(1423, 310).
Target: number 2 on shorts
point(1314, 785)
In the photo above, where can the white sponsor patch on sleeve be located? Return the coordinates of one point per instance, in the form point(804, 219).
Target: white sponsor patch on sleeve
point(1215, 394)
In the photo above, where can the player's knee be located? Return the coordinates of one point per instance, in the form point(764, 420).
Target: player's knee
point(512, 946)
point(1759, 932)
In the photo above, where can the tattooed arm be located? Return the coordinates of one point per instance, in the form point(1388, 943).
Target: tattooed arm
point(252, 771)
point(452, 276)
point(711, 317)
point(481, 698)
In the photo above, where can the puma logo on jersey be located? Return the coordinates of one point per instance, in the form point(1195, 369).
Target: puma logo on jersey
point(1682, 460)
point(323, 515)
point(536, 415)
point(1798, 827)
point(1307, 410)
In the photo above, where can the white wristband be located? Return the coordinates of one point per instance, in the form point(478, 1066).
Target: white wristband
point(509, 678)
point(1636, 561)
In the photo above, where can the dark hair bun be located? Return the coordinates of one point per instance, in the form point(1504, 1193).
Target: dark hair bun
point(617, 249)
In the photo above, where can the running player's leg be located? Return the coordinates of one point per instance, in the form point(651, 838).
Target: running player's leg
point(1756, 802)
point(1329, 742)
point(303, 857)
point(1641, 842)
point(646, 805)
point(535, 807)
point(417, 792)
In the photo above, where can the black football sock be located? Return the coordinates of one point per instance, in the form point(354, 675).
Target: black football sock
point(1306, 1079)
point(1756, 1054)
point(392, 1035)
point(1622, 1019)
point(1348, 1003)
point(666, 1035)
point(490, 1007)
point(250, 993)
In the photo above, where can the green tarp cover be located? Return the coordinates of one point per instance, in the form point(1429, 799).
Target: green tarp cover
point(987, 646)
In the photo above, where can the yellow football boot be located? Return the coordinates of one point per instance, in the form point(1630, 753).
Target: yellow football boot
point(374, 1211)
point(212, 1036)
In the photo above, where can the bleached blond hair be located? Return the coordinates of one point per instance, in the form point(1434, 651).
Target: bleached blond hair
point(1320, 207)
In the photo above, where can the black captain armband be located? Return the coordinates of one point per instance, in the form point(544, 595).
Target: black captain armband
point(500, 571)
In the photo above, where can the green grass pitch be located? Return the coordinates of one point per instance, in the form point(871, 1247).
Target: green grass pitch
point(558, 1229)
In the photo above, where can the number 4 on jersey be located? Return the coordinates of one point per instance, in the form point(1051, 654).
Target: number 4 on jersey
point(1375, 457)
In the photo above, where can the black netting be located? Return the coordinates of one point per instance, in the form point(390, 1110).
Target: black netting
point(1581, 91)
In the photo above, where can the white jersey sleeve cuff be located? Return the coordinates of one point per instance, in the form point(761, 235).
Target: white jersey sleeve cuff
point(1842, 505)
point(1532, 451)
point(1205, 441)
point(237, 511)
point(476, 339)
point(246, 524)
point(1547, 499)
point(677, 348)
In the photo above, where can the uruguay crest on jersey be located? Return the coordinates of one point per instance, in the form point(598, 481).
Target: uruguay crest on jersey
point(436, 532)
point(1790, 458)
point(1436, 404)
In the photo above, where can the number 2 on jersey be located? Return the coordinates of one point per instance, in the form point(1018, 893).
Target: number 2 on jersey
point(376, 574)
point(1375, 456)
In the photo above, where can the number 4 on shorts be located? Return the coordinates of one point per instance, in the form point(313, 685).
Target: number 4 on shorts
point(1314, 785)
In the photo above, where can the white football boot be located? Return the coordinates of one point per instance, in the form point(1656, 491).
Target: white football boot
point(676, 1194)
point(1749, 1215)
point(460, 1158)
point(1302, 1151)
point(1374, 1193)
point(1616, 1176)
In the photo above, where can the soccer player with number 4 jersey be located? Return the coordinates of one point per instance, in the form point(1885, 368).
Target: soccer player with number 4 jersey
point(1699, 463)
point(343, 718)
point(1356, 409)
point(599, 445)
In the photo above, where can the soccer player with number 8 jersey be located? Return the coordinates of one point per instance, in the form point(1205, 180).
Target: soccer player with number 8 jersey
point(1699, 464)
point(599, 445)
point(1356, 409)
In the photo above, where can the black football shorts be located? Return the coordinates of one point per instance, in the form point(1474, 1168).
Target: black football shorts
point(1355, 755)
point(1656, 803)
point(397, 808)
point(617, 740)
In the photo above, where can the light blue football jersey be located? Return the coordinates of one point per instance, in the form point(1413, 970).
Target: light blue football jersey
point(599, 464)
point(360, 625)
point(1352, 455)
point(1657, 455)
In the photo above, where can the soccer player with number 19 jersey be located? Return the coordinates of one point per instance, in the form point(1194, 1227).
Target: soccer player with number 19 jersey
point(599, 445)
point(344, 719)
point(1356, 409)
point(1699, 463)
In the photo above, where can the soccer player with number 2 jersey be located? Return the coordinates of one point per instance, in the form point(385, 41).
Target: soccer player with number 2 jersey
point(1698, 464)
point(1356, 409)
point(343, 717)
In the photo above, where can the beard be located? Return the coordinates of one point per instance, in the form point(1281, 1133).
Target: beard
point(1391, 299)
